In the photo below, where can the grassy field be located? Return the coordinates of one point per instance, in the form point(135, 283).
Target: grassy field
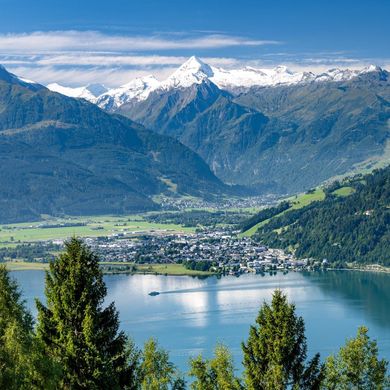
point(303, 200)
point(170, 269)
point(344, 191)
point(94, 226)
point(160, 269)
point(25, 266)
point(297, 202)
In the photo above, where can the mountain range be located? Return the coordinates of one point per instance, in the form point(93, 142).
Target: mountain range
point(272, 129)
point(195, 71)
point(66, 156)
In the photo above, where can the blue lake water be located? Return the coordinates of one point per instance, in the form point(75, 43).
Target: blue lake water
point(191, 315)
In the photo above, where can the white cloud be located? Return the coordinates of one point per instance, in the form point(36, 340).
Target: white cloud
point(74, 77)
point(76, 58)
point(92, 40)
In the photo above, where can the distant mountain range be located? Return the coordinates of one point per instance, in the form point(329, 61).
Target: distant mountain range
point(272, 129)
point(65, 156)
point(195, 71)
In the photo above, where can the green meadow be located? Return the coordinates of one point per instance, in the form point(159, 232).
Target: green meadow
point(95, 226)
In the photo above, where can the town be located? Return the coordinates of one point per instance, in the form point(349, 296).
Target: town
point(218, 251)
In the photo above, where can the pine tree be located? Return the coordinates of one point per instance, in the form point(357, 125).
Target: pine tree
point(275, 353)
point(357, 366)
point(214, 374)
point(76, 330)
point(22, 362)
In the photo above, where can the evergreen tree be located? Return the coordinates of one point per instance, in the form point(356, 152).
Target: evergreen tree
point(76, 330)
point(357, 366)
point(275, 353)
point(158, 372)
point(22, 362)
point(214, 374)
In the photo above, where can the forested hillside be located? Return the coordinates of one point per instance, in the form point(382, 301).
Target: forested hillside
point(61, 155)
point(352, 224)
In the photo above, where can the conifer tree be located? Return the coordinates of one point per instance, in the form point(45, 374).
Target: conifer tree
point(22, 362)
point(76, 330)
point(275, 353)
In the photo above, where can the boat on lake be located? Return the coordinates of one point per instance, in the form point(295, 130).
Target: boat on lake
point(154, 293)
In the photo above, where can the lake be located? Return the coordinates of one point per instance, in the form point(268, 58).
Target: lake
point(191, 315)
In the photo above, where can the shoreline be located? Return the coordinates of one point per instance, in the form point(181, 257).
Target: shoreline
point(141, 269)
point(174, 269)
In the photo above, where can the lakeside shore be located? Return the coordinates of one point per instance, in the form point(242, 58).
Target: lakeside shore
point(161, 269)
point(144, 269)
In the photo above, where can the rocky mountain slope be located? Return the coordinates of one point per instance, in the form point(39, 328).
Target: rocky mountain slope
point(61, 155)
point(273, 129)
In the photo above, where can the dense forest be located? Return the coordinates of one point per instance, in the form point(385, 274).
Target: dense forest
point(341, 229)
point(196, 218)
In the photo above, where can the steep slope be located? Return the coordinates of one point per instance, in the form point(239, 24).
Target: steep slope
point(287, 138)
point(323, 129)
point(66, 156)
point(342, 228)
point(138, 89)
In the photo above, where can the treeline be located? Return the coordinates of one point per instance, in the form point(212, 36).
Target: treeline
point(354, 228)
point(263, 215)
point(195, 218)
point(201, 265)
point(76, 344)
point(30, 252)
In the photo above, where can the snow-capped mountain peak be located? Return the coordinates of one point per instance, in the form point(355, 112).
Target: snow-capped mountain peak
point(193, 71)
point(371, 68)
point(138, 88)
point(248, 77)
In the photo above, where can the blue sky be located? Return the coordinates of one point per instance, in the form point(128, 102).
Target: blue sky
point(77, 42)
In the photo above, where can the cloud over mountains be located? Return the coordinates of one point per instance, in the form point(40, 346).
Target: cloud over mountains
point(75, 57)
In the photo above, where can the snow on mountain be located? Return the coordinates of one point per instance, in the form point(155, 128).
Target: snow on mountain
point(90, 92)
point(139, 89)
point(195, 71)
point(248, 77)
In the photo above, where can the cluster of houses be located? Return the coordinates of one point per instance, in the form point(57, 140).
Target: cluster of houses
point(170, 203)
point(224, 251)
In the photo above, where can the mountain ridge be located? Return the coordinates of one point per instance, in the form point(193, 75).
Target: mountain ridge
point(195, 71)
point(65, 156)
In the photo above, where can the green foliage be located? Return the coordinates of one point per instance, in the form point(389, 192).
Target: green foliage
point(357, 366)
point(23, 364)
point(263, 215)
point(194, 218)
point(214, 374)
point(354, 228)
point(77, 332)
point(201, 265)
point(158, 373)
point(275, 353)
